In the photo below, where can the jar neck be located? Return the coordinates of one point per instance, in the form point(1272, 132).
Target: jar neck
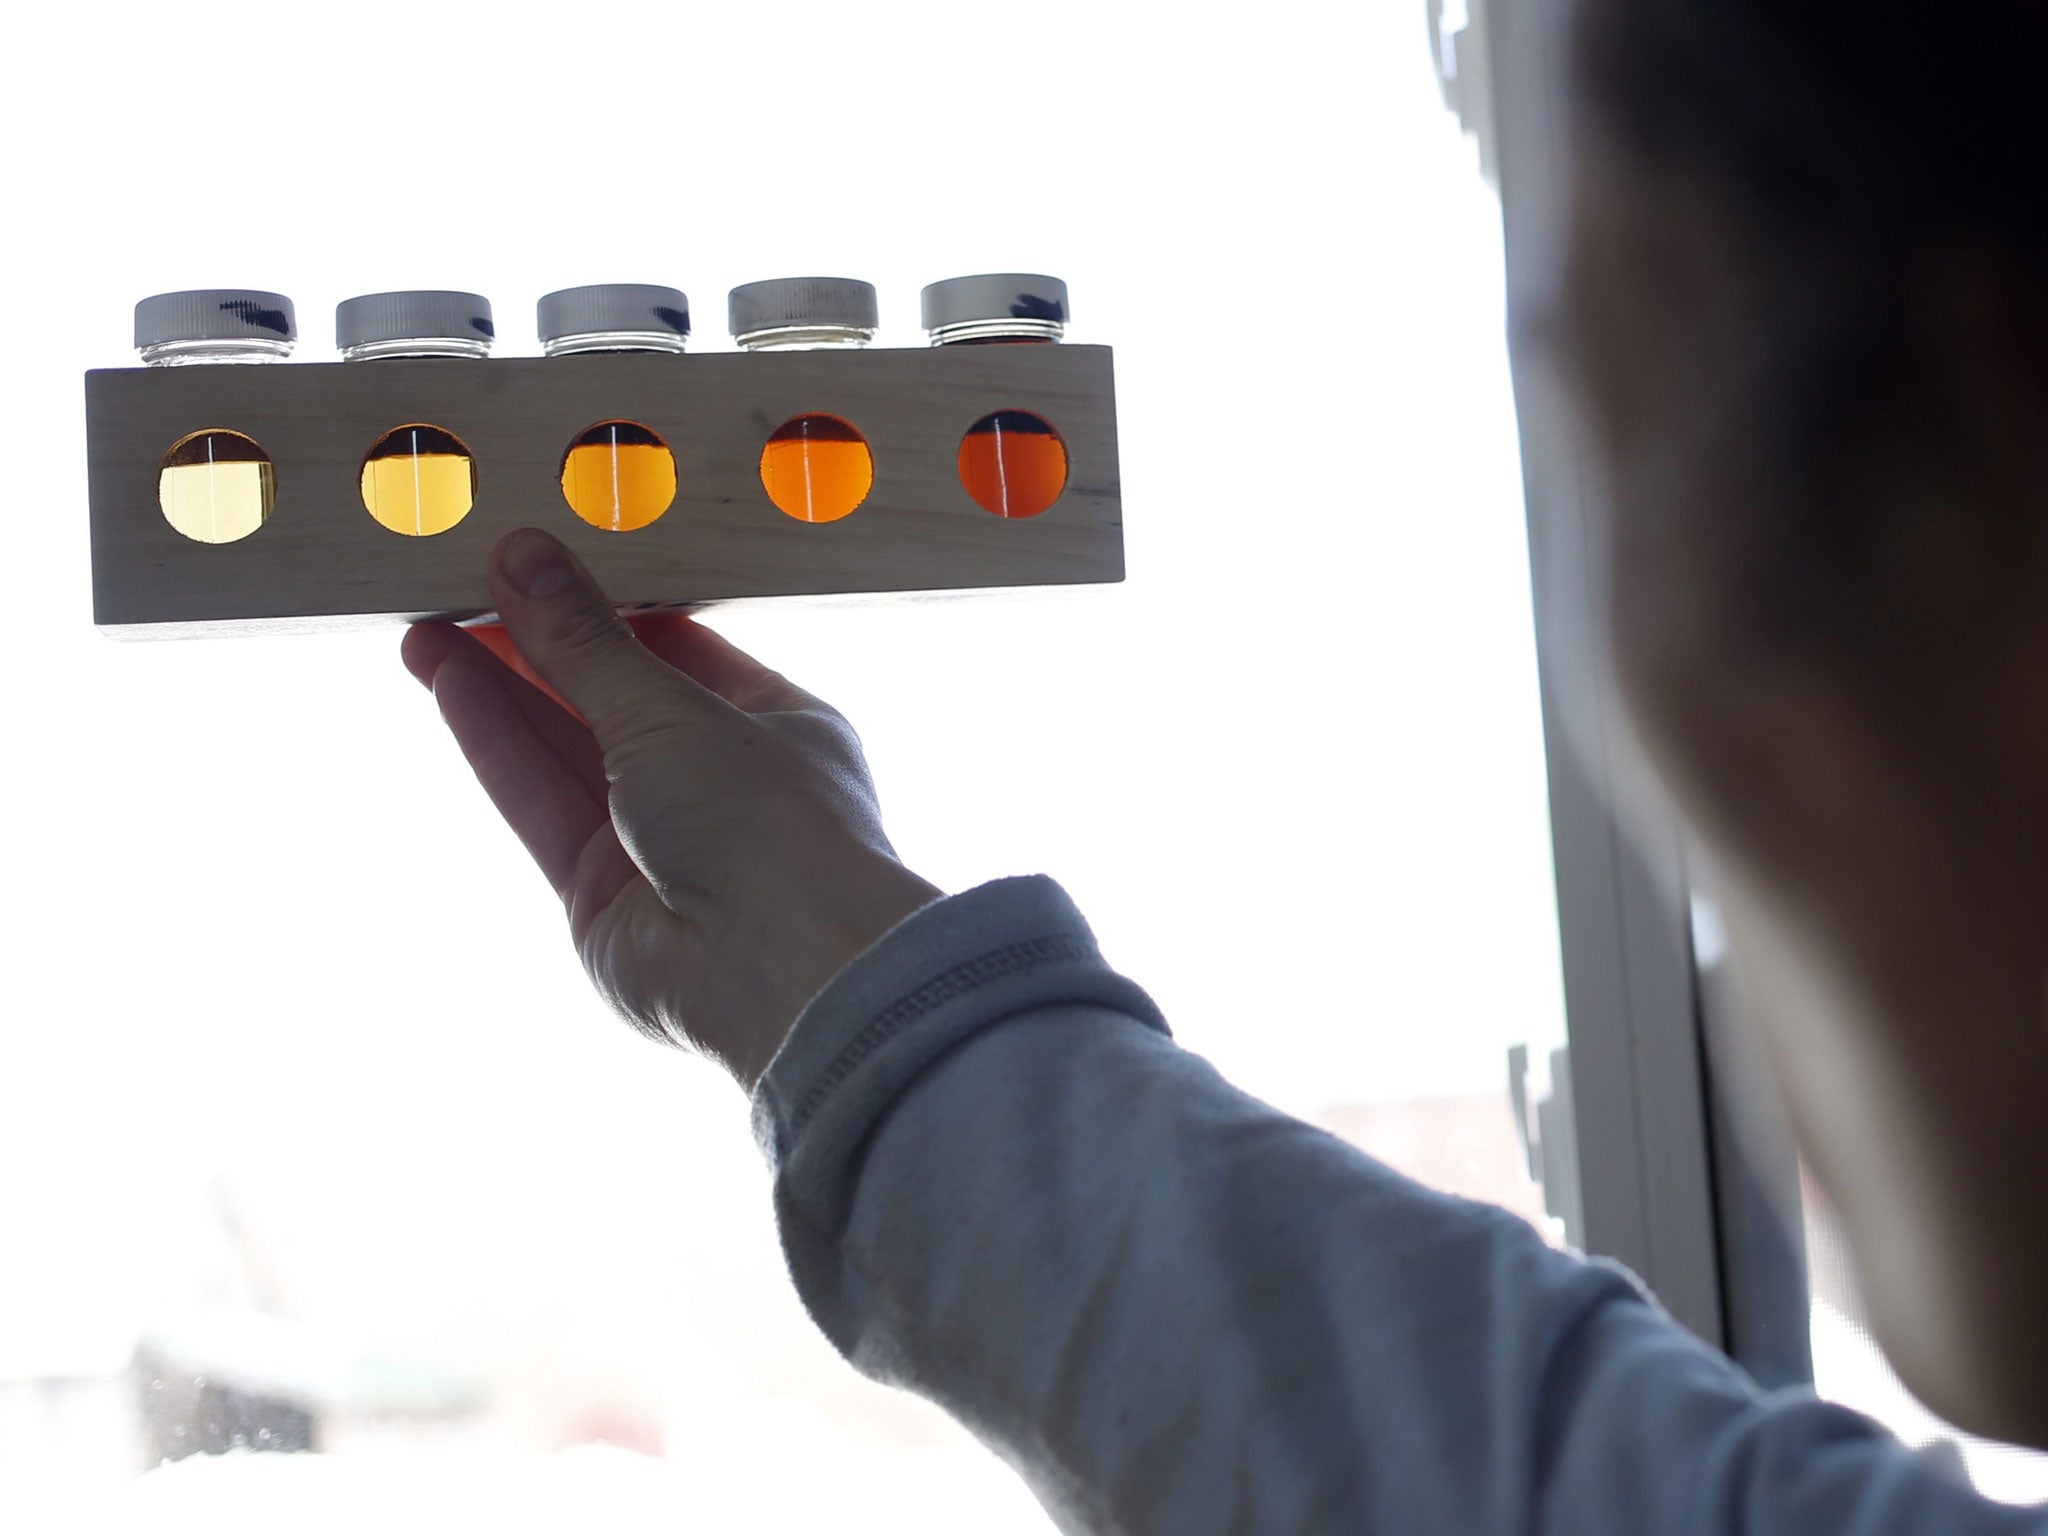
point(416, 346)
point(613, 341)
point(1009, 328)
point(786, 338)
point(240, 349)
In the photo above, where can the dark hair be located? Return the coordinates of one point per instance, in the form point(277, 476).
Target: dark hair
point(1893, 116)
point(1857, 146)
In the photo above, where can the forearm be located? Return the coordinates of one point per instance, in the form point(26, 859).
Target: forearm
point(1176, 1310)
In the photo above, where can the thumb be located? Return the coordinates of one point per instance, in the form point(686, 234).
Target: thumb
point(565, 626)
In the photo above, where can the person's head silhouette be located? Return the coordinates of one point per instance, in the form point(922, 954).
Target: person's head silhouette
point(1806, 312)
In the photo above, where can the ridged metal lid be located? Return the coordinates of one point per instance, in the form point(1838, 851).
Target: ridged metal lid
point(411, 314)
point(791, 301)
point(214, 314)
point(993, 296)
point(613, 307)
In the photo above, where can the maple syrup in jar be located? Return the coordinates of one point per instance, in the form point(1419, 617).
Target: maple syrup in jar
point(816, 467)
point(419, 478)
point(1013, 463)
point(215, 485)
point(617, 474)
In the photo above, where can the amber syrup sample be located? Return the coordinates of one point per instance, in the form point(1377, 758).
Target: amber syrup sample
point(216, 486)
point(817, 468)
point(1013, 463)
point(619, 475)
point(419, 480)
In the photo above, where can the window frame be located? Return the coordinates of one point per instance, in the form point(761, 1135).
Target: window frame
point(1708, 1220)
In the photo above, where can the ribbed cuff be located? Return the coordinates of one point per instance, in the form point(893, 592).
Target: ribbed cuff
point(944, 972)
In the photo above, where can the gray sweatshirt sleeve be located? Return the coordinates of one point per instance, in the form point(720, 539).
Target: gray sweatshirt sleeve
point(1001, 1185)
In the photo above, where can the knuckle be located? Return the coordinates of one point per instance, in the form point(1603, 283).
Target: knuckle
point(611, 678)
point(590, 630)
point(769, 690)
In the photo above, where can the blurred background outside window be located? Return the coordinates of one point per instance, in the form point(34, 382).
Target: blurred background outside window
point(315, 1139)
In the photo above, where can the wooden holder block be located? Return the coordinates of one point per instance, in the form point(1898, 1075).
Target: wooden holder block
point(322, 559)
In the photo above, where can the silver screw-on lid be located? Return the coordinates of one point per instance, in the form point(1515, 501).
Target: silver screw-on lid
point(413, 314)
point(994, 296)
point(214, 314)
point(637, 307)
point(795, 301)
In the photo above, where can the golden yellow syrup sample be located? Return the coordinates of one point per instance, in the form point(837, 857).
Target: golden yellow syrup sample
point(216, 486)
point(619, 475)
point(817, 468)
point(1013, 463)
point(419, 480)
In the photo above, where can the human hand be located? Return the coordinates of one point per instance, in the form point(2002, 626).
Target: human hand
point(709, 826)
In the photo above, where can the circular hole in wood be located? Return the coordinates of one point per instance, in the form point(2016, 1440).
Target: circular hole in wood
point(619, 475)
point(817, 468)
point(419, 479)
point(216, 486)
point(1013, 463)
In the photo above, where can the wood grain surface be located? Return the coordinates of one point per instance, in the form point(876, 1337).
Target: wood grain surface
point(322, 559)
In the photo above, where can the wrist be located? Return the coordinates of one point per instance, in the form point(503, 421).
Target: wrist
point(874, 894)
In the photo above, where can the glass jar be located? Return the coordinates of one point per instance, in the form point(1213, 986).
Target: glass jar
point(617, 474)
point(418, 479)
point(215, 485)
point(419, 322)
point(613, 317)
point(994, 306)
point(1011, 462)
point(815, 467)
point(806, 312)
point(215, 325)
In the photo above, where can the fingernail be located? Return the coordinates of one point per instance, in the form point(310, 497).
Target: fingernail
point(536, 564)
